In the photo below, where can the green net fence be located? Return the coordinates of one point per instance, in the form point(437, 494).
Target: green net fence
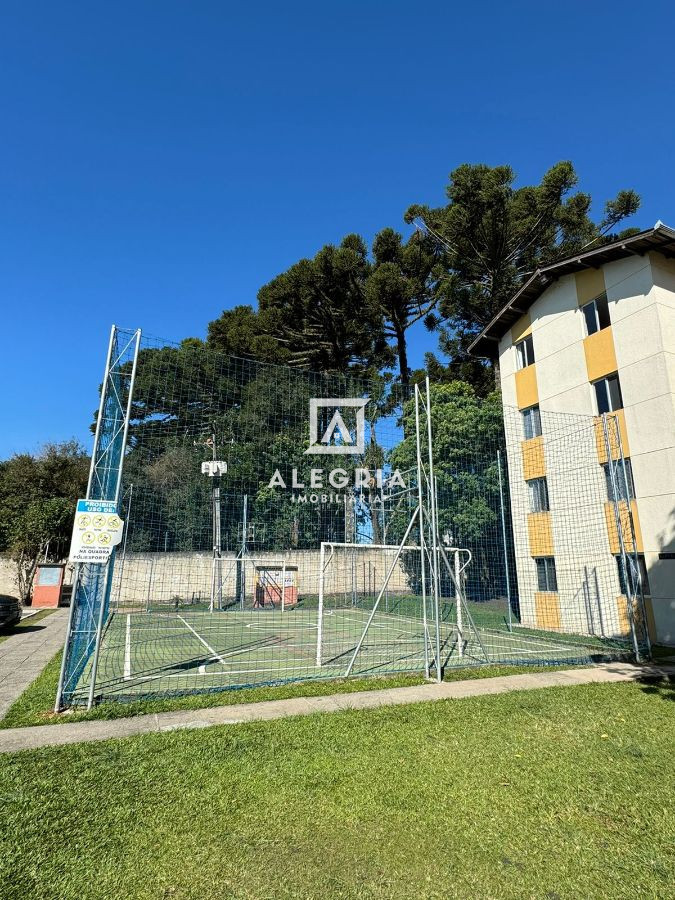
point(304, 559)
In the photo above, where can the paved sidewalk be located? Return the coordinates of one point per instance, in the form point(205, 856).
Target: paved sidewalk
point(75, 732)
point(26, 652)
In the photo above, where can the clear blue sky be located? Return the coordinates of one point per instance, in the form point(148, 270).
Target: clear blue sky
point(160, 161)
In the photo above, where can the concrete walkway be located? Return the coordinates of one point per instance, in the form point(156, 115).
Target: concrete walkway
point(75, 732)
point(26, 652)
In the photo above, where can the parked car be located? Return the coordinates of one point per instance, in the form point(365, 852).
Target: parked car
point(10, 611)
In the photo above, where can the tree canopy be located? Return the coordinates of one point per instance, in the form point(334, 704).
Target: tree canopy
point(37, 505)
point(494, 235)
point(350, 307)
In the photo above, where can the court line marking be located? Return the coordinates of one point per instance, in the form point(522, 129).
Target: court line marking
point(202, 641)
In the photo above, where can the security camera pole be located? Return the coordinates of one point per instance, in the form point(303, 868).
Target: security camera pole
point(215, 468)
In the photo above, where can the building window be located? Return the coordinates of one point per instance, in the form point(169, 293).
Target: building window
point(625, 488)
point(547, 579)
point(608, 394)
point(525, 352)
point(538, 491)
point(531, 422)
point(596, 314)
point(632, 581)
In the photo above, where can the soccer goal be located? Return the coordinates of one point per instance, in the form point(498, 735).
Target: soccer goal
point(385, 608)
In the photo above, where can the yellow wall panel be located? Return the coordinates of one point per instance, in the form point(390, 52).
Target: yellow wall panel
point(622, 612)
point(627, 533)
point(526, 387)
point(534, 462)
point(624, 621)
point(547, 608)
point(522, 328)
point(600, 354)
point(620, 420)
point(590, 284)
point(540, 534)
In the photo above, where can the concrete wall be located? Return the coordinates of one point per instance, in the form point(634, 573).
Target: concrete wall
point(8, 577)
point(155, 578)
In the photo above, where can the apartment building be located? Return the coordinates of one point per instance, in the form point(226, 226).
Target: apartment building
point(593, 334)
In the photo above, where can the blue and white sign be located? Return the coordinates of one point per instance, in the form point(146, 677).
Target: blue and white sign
point(96, 530)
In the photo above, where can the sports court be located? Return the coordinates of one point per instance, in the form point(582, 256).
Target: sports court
point(262, 544)
point(177, 652)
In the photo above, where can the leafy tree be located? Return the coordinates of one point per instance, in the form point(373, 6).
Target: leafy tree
point(42, 523)
point(493, 235)
point(326, 317)
point(248, 334)
point(403, 283)
point(37, 505)
point(467, 432)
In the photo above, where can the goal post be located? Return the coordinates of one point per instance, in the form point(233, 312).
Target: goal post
point(371, 605)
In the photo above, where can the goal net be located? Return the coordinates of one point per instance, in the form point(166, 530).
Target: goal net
point(373, 612)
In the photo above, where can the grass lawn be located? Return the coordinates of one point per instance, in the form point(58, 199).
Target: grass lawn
point(6, 633)
point(556, 793)
point(35, 706)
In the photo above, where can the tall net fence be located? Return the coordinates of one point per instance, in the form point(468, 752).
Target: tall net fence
point(305, 558)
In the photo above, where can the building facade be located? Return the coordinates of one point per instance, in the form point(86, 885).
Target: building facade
point(591, 335)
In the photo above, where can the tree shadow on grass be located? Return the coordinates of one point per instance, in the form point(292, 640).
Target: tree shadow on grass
point(662, 686)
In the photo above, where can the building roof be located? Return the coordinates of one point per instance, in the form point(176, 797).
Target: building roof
point(660, 238)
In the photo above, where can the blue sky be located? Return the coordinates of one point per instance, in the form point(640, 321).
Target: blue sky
point(159, 162)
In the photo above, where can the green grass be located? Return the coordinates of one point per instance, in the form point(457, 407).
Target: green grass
point(6, 633)
point(557, 793)
point(35, 706)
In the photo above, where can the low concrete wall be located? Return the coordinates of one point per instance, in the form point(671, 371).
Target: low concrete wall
point(8, 577)
point(144, 579)
point(8, 580)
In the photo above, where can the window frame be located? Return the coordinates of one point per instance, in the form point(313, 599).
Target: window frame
point(537, 491)
point(529, 415)
point(643, 575)
point(605, 382)
point(599, 313)
point(546, 564)
point(629, 478)
point(525, 352)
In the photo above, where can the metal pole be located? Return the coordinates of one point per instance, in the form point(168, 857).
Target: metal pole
point(124, 544)
point(319, 629)
point(636, 564)
point(118, 488)
point(244, 533)
point(92, 467)
point(434, 534)
point(283, 587)
point(619, 531)
point(472, 624)
point(399, 550)
point(460, 633)
point(421, 527)
point(504, 542)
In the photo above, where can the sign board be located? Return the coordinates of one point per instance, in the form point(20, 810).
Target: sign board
point(96, 530)
point(214, 468)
